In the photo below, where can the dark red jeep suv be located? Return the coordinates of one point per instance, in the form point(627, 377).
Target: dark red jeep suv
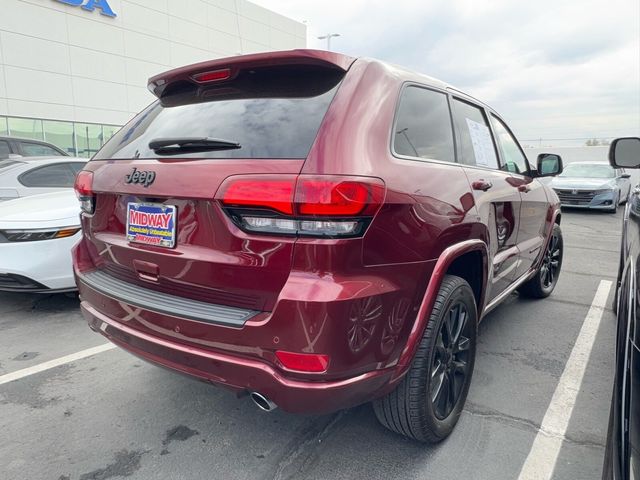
point(316, 231)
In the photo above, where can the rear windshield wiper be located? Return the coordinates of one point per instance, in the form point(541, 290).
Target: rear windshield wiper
point(174, 146)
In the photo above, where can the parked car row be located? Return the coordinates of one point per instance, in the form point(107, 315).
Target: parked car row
point(282, 229)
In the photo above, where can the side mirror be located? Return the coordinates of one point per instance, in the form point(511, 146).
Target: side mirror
point(625, 152)
point(549, 165)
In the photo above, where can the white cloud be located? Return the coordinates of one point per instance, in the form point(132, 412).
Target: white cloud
point(554, 69)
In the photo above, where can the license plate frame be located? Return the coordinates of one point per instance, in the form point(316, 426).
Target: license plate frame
point(151, 226)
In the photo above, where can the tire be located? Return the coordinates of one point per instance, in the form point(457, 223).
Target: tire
point(410, 409)
point(540, 285)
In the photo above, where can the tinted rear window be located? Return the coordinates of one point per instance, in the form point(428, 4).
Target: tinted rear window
point(49, 176)
point(271, 113)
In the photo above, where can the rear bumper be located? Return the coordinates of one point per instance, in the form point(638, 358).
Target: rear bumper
point(242, 374)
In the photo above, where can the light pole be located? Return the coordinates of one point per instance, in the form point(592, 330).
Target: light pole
point(328, 37)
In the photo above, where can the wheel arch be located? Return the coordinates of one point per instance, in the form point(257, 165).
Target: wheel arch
point(452, 261)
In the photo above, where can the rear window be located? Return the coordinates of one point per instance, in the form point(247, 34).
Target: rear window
point(58, 175)
point(271, 113)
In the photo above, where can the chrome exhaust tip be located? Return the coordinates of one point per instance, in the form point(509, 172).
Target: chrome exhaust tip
point(262, 402)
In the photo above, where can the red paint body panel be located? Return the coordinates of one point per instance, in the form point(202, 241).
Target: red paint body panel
point(362, 301)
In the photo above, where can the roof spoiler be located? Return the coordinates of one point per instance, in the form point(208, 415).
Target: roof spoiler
point(225, 69)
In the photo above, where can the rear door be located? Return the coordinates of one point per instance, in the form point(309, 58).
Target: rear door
point(496, 196)
point(535, 205)
point(273, 114)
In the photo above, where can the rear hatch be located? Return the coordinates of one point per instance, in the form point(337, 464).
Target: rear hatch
point(156, 220)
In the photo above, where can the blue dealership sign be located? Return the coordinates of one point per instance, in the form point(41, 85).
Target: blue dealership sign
point(91, 5)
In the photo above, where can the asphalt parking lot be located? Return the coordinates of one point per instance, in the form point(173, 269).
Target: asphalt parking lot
point(111, 415)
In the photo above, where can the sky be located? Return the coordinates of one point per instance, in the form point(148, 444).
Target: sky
point(562, 71)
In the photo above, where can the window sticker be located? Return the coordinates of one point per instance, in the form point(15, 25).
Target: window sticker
point(482, 144)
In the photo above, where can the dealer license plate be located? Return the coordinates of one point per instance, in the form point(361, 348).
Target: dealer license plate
point(152, 224)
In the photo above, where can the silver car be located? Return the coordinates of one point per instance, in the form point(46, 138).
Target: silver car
point(594, 185)
point(25, 176)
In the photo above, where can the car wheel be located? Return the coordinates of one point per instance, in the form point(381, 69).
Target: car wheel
point(544, 281)
point(428, 401)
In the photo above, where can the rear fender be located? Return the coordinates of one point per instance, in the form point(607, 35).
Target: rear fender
point(552, 216)
point(442, 265)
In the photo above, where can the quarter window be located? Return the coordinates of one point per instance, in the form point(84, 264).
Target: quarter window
point(476, 144)
point(514, 159)
point(423, 126)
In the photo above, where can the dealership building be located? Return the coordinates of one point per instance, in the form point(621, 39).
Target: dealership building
point(73, 71)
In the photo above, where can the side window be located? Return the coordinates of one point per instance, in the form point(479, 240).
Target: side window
point(423, 126)
point(4, 149)
point(58, 175)
point(476, 144)
point(514, 159)
point(38, 150)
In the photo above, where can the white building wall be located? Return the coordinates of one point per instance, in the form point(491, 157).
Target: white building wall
point(64, 63)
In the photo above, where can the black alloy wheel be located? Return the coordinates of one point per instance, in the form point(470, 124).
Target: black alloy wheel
point(450, 365)
point(427, 403)
point(544, 281)
point(551, 262)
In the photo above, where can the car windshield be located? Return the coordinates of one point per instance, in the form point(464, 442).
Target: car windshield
point(583, 170)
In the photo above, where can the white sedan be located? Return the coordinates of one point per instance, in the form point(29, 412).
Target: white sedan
point(36, 236)
point(24, 176)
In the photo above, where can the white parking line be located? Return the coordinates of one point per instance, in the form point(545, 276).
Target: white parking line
point(25, 372)
point(542, 458)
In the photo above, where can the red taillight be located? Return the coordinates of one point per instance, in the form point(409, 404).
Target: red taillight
point(321, 206)
point(83, 184)
point(84, 190)
point(212, 76)
point(337, 198)
point(274, 194)
point(303, 362)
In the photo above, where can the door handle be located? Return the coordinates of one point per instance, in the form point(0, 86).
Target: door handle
point(524, 188)
point(481, 184)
